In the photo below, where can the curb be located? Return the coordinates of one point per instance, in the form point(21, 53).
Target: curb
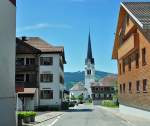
point(46, 119)
point(118, 115)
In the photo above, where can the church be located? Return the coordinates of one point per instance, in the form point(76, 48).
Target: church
point(89, 68)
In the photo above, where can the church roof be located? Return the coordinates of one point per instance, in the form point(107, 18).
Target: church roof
point(78, 87)
point(89, 51)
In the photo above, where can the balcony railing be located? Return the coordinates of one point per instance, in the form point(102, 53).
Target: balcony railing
point(128, 45)
point(26, 67)
point(30, 84)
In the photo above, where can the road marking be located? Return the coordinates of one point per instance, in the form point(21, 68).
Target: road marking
point(55, 121)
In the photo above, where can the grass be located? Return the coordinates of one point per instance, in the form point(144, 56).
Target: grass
point(87, 103)
point(109, 103)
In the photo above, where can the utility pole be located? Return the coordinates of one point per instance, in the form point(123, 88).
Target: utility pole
point(7, 62)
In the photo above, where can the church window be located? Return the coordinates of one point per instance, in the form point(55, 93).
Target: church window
point(88, 72)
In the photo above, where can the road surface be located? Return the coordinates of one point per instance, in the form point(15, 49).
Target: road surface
point(88, 115)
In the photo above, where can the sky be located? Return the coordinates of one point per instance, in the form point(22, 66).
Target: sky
point(67, 22)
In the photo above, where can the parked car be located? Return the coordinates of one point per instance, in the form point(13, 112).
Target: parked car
point(72, 103)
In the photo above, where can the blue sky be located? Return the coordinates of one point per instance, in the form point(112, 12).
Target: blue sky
point(66, 22)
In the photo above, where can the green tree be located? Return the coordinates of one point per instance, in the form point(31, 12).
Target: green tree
point(73, 97)
point(80, 97)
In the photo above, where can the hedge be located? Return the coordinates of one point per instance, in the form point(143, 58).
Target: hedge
point(22, 115)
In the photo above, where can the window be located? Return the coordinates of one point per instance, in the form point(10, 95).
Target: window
point(46, 77)
point(46, 60)
point(61, 64)
point(124, 88)
point(138, 86)
point(120, 68)
point(20, 61)
point(20, 78)
point(61, 79)
point(101, 88)
point(145, 85)
point(123, 66)
point(137, 60)
point(27, 77)
point(120, 88)
point(46, 94)
point(30, 61)
point(60, 94)
point(129, 63)
point(88, 72)
point(130, 87)
point(127, 19)
point(93, 96)
point(143, 56)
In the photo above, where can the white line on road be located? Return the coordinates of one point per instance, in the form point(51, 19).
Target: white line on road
point(54, 121)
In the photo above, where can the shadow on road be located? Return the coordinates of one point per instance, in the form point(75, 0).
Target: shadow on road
point(79, 110)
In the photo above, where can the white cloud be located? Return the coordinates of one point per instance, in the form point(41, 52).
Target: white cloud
point(44, 26)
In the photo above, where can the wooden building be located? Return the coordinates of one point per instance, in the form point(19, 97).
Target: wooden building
point(132, 52)
point(104, 89)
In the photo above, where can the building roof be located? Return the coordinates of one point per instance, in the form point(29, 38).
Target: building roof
point(78, 87)
point(106, 81)
point(139, 11)
point(89, 51)
point(43, 46)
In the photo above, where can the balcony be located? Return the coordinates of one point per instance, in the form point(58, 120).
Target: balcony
point(129, 45)
point(30, 84)
point(20, 68)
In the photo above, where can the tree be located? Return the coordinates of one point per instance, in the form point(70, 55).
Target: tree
point(80, 97)
point(73, 97)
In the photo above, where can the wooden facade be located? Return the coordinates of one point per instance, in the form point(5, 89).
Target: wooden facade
point(102, 92)
point(24, 55)
point(132, 52)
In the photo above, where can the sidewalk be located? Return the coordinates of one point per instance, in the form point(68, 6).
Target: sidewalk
point(133, 120)
point(44, 116)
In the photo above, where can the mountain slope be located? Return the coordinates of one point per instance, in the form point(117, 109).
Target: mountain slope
point(72, 77)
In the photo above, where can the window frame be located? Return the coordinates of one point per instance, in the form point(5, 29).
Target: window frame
point(44, 61)
point(143, 56)
point(144, 85)
point(44, 79)
point(44, 96)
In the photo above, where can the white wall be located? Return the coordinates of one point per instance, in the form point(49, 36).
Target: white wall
point(7, 63)
point(55, 85)
point(89, 78)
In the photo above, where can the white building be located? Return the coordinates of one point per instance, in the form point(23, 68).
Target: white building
point(89, 68)
point(51, 72)
point(77, 90)
point(7, 62)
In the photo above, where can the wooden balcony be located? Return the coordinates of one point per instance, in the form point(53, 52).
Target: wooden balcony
point(24, 68)
point(30, 84)
point(129, 45)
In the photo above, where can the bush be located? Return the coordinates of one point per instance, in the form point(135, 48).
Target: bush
point(65, 105)
point(22, 115)
point(109, 103)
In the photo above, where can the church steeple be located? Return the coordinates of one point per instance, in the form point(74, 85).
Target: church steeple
point(89, 57)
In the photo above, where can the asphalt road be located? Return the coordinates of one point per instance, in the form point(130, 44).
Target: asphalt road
point(87, 115)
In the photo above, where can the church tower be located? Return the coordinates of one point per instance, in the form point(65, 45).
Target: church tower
point(89, 68)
